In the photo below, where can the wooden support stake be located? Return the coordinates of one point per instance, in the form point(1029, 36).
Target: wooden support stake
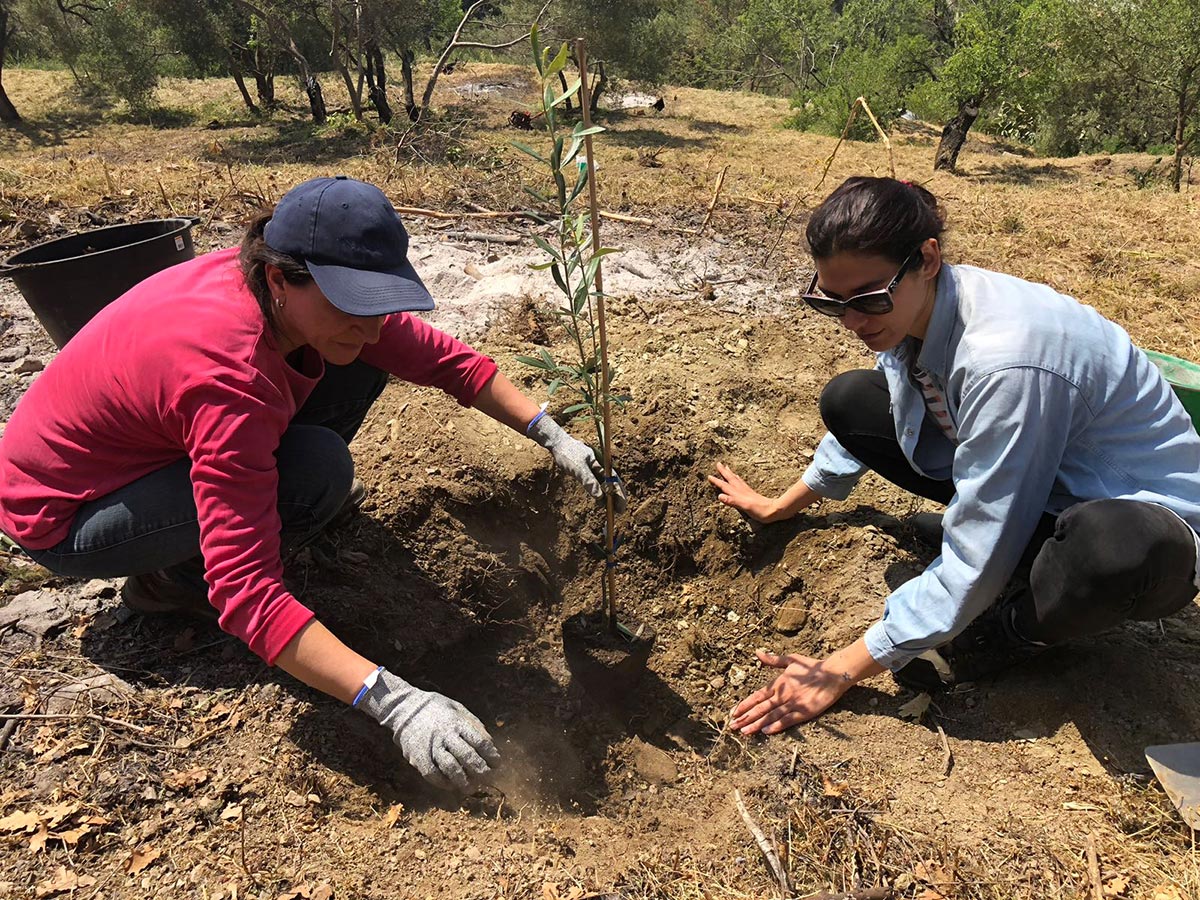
point(610, 572)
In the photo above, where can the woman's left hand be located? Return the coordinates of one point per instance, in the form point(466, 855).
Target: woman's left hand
point(805, 690)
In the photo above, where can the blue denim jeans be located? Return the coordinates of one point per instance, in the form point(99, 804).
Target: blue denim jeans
point(150, 524)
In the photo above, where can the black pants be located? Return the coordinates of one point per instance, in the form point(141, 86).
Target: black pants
point(1099, 563)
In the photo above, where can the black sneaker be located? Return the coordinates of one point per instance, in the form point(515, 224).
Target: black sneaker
point(157, 594)
point(358, 493)
point(987, 646)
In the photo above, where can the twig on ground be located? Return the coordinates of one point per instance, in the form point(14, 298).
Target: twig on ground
point(875, 893)
point(7, 732)
point(712, 204)
point(484, 236)
point(621, 217)
point(764, 845)
point(104, 720)
point(948, 757)
point(1094, 868)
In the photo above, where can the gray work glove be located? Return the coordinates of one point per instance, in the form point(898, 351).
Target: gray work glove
point(439, 737)
point(576, 459)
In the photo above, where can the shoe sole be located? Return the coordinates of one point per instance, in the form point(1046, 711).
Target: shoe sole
point(140, 601)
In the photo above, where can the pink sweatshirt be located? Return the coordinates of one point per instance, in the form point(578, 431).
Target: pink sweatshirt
point(184, 365)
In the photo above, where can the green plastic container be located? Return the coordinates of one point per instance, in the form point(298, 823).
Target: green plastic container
point(1184, 377)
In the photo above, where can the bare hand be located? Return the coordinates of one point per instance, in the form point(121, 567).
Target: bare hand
point(804, 691)
point(736, 493)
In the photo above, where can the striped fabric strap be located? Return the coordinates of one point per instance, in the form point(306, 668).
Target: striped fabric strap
point(935, 402)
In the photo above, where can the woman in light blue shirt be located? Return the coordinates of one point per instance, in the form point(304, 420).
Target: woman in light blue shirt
point(1055, 444)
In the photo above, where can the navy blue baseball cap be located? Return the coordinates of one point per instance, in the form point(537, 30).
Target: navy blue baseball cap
point(353, 243)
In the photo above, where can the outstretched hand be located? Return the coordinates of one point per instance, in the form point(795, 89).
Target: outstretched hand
point(805, 690)
point(736, 493)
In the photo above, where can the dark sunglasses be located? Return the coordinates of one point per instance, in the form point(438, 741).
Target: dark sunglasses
point(871, 303)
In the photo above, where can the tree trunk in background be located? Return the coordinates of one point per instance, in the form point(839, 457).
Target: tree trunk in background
point(355, 96)
point(954, 135)
point(239, 79)
point(8, 112)
point(598, 88)
point(316, 100)
point(562, 79)
point(1183, 112)
point(377, 83)
point(406, 73)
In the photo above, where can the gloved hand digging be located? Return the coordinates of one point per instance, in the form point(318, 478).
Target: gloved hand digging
point(439, 737)
point(576, 459)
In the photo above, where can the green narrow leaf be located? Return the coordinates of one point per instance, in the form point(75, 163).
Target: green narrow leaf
point(580, 184)
point(575, 407)
point(541, 267)
point(525, 148)
point(581, 132)
point(558, 278)
point(557, 64)
point(535, 41)
point(554, 386)
point(545, 247)
point(536, 195)
point(572, 90)
point(546, 356)
point(535, 363)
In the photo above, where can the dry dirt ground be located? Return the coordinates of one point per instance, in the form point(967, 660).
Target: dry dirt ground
point(201, 773)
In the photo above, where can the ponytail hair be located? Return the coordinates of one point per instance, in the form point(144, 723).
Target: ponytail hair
point(879, 216)
point(254, 257)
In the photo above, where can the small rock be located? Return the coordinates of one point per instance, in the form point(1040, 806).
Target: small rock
point(35, 612)
point(90, 692)
point(12, 354)
point(28, 366)
point(791, 618)
point(737, 675)
point(653, 764)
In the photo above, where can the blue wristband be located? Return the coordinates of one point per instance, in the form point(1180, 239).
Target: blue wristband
point(529, 427)
point(368, 683)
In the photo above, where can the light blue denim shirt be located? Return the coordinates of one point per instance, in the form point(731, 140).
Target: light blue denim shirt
point(1053, 405)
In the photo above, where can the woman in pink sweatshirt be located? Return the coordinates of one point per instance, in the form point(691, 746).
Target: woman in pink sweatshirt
point(196, 431)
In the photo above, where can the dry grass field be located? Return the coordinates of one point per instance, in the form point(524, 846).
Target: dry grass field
point(214, 777)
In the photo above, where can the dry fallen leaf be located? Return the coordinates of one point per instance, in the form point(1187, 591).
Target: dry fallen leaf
point(916, 707)
point(20, 821)
point(59, 813)
point(1167, 891)
point(393, 815)
point(231, 813)
point(71, 836)
point(1116, 886)
point(140, 858)
point(185, 780)
point(37, 843)
point(834, 788)
point(63, 881)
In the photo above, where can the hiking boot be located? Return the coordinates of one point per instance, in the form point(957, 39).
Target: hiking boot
point(358, 493)
point(157, 593)
point(987, 646)
point(928, 527)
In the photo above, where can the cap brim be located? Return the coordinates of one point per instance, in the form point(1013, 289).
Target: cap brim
point(361, 292)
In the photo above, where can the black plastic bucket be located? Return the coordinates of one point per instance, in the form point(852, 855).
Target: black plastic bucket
point(68, 280)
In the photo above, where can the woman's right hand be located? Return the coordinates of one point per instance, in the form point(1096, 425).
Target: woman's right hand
point(736, 493)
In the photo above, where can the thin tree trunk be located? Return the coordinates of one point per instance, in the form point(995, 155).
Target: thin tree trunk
point(377, 83)
point(355, 97)
point(406, 74)
point(235, 69)
point(8, 112)
point(598, 89)
point(1183, 112)
point(562, 78)
point(954, 135)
